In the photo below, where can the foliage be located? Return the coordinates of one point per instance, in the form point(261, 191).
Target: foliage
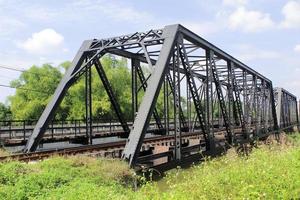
point(36, 86)
point(61, 178)
point(5, 112)
point(270, 172)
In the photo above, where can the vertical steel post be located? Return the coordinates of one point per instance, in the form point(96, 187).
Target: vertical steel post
point(297, 115)
point(88, 105)
point(230, 98)
point(188, 106)
point(24, 130)
point(264, 105)
point(176, 97)
point(278, 91)
point(134, 93)
point(209, 103)
point(166, 106)
point(273, 108)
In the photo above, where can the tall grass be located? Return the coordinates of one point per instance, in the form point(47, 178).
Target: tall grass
point(65, 178)
point(269, 172)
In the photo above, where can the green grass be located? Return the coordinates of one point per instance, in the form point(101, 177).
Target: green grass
point(270, 172)
point(65, 178)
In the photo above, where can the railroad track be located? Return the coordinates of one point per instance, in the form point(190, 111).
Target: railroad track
point(90, 149)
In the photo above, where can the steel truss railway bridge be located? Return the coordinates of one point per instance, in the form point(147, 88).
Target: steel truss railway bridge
point(211, 100)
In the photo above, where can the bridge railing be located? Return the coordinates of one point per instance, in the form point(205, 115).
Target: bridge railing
point(22, 129)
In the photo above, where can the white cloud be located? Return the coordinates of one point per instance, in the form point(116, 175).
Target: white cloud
point(297, 48)
point(291, 12)
point(249, 21)
point(43, 42)
point(235, 2)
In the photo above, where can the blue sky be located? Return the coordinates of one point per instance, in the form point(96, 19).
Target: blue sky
point(262, 33)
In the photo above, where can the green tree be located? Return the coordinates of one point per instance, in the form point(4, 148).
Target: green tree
point(34, 89)
point(5, 113)
point(36, 86)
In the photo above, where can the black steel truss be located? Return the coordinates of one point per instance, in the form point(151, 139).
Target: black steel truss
point(193, 75)
point(286, 108)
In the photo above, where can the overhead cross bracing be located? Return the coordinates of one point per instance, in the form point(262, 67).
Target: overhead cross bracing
point(204, 89)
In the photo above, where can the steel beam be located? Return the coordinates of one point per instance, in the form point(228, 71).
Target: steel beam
point(142, 119)
point(88, 106)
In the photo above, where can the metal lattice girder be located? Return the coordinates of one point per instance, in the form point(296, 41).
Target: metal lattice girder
point(212, 64)
point(193, 89)
point(237, 102)
point(90, 51)
point(286, 108)
point(241, 83)
point(177, 102)
point(174, 54)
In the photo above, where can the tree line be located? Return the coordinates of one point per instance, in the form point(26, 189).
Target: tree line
point(35, 87)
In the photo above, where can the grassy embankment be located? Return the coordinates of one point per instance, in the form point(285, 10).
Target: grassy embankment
point(270, 172)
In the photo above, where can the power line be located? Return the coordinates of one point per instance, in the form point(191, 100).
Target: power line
point(22, 88)
point(11, 68)
point(20, 70)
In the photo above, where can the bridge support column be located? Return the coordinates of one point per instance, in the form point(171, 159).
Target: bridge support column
point(209, 103)
point(88, 106)
point(278, 92)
